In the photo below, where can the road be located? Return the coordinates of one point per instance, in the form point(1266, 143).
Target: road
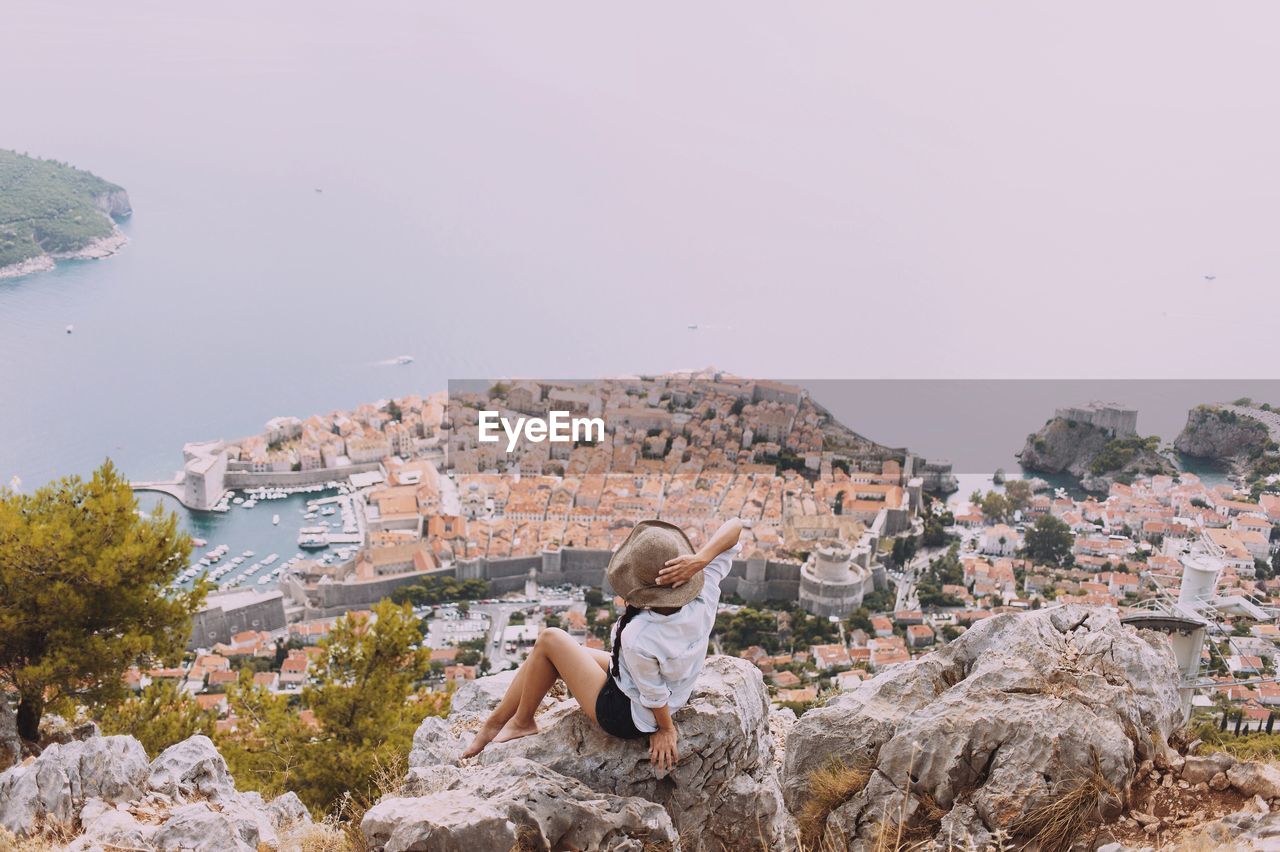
point(906, 581)
point(499, 616)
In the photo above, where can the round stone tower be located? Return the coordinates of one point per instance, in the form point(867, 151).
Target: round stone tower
point(831, 582)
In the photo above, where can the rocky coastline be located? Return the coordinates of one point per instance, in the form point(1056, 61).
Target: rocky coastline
point(1092, 454)
point(114, 206)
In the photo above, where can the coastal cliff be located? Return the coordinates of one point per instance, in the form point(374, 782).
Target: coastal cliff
point(51, 211)
point(1092, 453)
point(1241, 435)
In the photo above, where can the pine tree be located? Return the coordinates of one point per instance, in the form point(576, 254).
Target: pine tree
point(161, 715)
point(364, 708)
point(83, 592)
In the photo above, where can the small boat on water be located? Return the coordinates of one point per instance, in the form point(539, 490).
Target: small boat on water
point(313, 538)
point(275, 519)
point(70, 328)
point(404, 359)
point(198, 542)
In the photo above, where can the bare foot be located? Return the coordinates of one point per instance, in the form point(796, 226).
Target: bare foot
point(486, 733)
point(513, 730)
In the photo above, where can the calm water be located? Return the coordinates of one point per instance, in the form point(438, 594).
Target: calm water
point(492, 210)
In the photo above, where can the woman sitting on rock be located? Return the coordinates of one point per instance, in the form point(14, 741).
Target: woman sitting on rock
point(659, 644)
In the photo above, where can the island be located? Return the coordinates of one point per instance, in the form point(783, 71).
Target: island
point(1098, 443)
point(1242, 435)
point(52, 211)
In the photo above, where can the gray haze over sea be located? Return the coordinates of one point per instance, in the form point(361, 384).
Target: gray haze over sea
point(840, 191)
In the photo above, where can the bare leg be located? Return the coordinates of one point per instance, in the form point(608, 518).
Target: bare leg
point(538, 660)
point(554, 655)
point(504, 711)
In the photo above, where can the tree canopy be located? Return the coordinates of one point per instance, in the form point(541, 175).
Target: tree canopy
point(364, 708)
point(47, 206)
point(83, 592)
point(1049, 541)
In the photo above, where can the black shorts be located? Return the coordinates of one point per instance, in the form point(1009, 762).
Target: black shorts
point(613, 712)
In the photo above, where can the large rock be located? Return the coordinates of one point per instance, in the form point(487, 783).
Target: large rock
point(54, 786)
point(107, 827)
point(185, 799)
point(191, 767)
point(200, 827)
point(514, 804)
point(1017, 710)
point(724, 792)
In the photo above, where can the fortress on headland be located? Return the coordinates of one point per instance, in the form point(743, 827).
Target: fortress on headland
point(1120, 421)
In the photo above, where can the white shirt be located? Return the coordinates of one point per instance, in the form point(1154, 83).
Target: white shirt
point(662, 655)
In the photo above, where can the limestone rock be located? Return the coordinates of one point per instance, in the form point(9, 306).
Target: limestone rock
point(1197, 769)
point(191, 766)
point(106, 827)
point(515, 802)
point(1255, 779)
point(287, 810)
point(1002, 720)
point(197, 827)
point(56, 784)
point(56, 729)
point(10, 743)
point(723, 792)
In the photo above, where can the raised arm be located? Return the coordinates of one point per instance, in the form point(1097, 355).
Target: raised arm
point(680, 569)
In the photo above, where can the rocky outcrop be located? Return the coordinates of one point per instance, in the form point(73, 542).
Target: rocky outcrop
point(975, 737)
point(1219, 433)
point(57, 784)
point(513, 803)
point(1063, 446)
point(114, 203)
point(1092, 454)
point(104, 790)
point(724, 792)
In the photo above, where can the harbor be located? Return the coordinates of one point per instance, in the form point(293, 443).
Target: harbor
point(254, 538)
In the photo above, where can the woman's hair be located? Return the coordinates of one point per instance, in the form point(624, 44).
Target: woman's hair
point(632, 612)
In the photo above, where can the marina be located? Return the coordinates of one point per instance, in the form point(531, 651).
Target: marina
point(239, 533)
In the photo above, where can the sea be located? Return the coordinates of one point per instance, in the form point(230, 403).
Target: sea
point(317, 192)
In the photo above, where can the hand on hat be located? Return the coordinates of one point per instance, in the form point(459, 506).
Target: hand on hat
point(676, 572)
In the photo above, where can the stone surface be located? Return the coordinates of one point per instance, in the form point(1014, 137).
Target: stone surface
point(198, 827)
point(185, 799)
point(55, 785)
point(287, 810)
point(192, 766)
point(1001, 720)
point(105, 827)
point(56, 729)
point(1255, 779)
point(1197, 769)
point(723, 792)
point(495, 807)
point(10, 743)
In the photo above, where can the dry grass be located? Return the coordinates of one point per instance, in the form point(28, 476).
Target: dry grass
point(319, 837)
point(829, 788)
point(388, 780)
point(1070, 814)
point(49, 837)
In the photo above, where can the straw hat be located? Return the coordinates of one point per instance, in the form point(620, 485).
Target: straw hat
point(636, 563)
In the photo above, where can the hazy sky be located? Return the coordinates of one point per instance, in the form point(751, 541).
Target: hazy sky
point(836, 189)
